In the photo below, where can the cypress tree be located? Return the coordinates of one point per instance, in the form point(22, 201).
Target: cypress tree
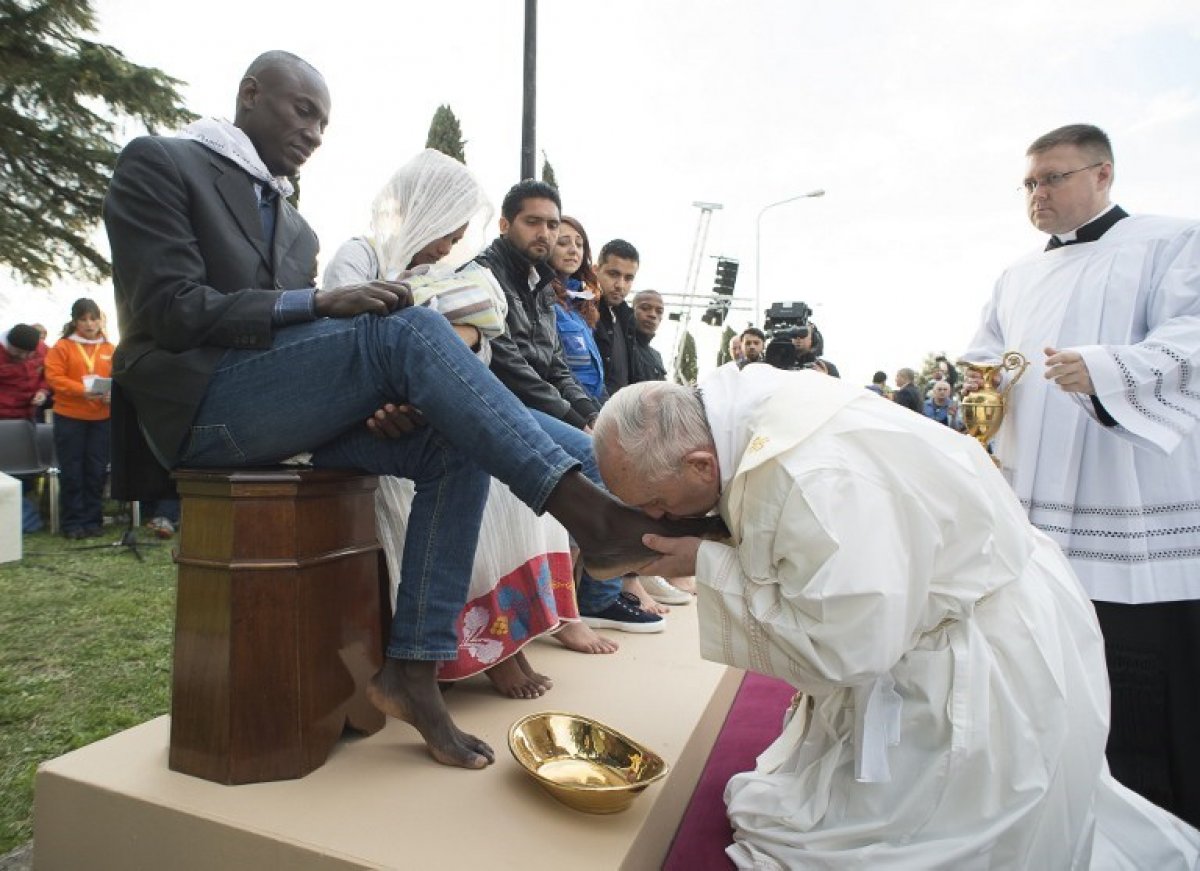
point(445, 134)
point(687, 371)
point(723, 355)
point(548, 172)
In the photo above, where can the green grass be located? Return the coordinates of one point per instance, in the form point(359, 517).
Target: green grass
point(85, 651)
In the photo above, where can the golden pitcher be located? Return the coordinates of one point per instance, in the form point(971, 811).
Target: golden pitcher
point(983, 410)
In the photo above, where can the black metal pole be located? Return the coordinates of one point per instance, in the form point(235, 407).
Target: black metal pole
point(529, 111)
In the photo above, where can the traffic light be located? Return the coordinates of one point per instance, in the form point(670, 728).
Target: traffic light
point(727, 271)
point(726, 278)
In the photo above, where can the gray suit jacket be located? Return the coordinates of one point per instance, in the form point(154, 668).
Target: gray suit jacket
point(193, 278)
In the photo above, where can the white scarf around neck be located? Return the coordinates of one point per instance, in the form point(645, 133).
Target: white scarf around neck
point(222, 137)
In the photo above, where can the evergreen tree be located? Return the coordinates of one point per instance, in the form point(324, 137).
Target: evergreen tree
point(548, 172)
point(723, 355)
point(445, 134)
point(57, 150)
point(927, 374)
point(687, 371)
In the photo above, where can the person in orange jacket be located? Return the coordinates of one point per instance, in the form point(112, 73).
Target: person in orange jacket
point(81, 411)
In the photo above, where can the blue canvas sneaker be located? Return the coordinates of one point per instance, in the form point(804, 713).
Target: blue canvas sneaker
point(627, 615)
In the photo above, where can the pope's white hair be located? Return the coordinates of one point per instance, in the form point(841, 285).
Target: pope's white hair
point(655, 424)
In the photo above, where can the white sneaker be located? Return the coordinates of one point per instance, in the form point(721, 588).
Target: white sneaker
point(663, 592)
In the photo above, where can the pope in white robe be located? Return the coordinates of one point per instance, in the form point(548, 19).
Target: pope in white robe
point(954, 703)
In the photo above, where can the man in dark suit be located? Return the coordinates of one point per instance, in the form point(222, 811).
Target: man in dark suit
point(906, 392)
point(230, 356)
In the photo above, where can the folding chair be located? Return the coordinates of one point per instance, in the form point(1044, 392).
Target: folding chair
point(20, 457)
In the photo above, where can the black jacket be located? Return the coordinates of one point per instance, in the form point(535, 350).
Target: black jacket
point(193, 278)
point(646, 363)
point(528, 358)
point(617, 373)
point(909, 397)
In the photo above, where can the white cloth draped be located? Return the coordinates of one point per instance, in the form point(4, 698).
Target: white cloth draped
point(957, 703)
point(223, 138)
point(1123, 502)
point(429, 197)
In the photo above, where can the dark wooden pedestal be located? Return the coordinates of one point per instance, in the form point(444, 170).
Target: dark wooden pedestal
point(280, 620)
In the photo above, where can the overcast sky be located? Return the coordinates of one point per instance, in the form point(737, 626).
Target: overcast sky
point(914, 116)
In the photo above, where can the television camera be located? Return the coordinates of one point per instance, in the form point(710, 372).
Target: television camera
point(786, 321)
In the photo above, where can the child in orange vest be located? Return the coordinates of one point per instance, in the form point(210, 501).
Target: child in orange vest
point(81, 412)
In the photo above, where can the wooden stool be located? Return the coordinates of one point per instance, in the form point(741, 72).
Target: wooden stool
point(281, 617)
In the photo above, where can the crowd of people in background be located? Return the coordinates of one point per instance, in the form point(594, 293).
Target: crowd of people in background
point(937, 392)
point(66, 386)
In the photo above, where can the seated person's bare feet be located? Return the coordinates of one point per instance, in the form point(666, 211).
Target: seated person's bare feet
point(580, 637)
point(631, 584)
point(514, 677)
point(542, 680)
point(407, 690)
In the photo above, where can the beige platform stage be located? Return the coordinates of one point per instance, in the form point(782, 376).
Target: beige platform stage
point(381, 802)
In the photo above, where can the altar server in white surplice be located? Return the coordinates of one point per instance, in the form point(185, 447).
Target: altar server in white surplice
point(1101, 444)
point(954, 706)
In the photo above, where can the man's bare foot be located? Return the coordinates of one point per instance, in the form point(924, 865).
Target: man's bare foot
point(515, 678)
point(407, 690)
point(631, 584)
point(609, 533)
point(584, 639)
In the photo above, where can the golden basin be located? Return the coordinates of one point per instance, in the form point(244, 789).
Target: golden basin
point(582, 763)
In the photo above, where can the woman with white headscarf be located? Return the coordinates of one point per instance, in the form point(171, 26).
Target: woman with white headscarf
point(521, 582)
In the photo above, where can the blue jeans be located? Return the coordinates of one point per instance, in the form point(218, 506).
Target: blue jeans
point(593, 595)
point(168, 509)
point(314, 388)
point(82, 448)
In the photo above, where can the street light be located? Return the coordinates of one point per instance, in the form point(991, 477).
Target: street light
point(820, 192)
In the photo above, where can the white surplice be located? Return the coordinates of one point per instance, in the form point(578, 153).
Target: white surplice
point(957, 703)
point(1123, 502)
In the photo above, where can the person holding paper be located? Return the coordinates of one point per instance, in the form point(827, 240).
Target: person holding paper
point(79, 371)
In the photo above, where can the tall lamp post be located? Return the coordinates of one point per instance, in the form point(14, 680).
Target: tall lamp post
point(820, 192)
point(529, 103)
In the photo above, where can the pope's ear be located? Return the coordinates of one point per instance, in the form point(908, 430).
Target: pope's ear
point(704, 464)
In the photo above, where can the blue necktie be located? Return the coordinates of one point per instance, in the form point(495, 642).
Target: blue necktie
point(266, 211)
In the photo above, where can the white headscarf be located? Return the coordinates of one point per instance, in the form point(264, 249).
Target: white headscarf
point(429, 197)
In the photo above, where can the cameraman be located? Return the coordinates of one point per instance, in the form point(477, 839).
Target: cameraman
point(810, 345)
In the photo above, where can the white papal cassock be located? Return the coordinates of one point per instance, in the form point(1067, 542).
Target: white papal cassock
point(958, 703)
point(1123, 502)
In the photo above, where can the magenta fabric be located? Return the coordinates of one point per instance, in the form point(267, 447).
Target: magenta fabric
point(755, 720)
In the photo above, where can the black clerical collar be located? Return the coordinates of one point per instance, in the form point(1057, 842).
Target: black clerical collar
point(1091, 231)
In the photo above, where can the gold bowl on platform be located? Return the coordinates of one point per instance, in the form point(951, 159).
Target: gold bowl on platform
point(583, 763)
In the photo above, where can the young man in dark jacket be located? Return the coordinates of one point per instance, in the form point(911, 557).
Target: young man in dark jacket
point(647, 363)
point(528, 360)
point(616, 268)
point(528, 357)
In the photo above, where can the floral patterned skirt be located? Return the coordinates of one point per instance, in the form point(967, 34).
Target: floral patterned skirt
point(522, 584)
